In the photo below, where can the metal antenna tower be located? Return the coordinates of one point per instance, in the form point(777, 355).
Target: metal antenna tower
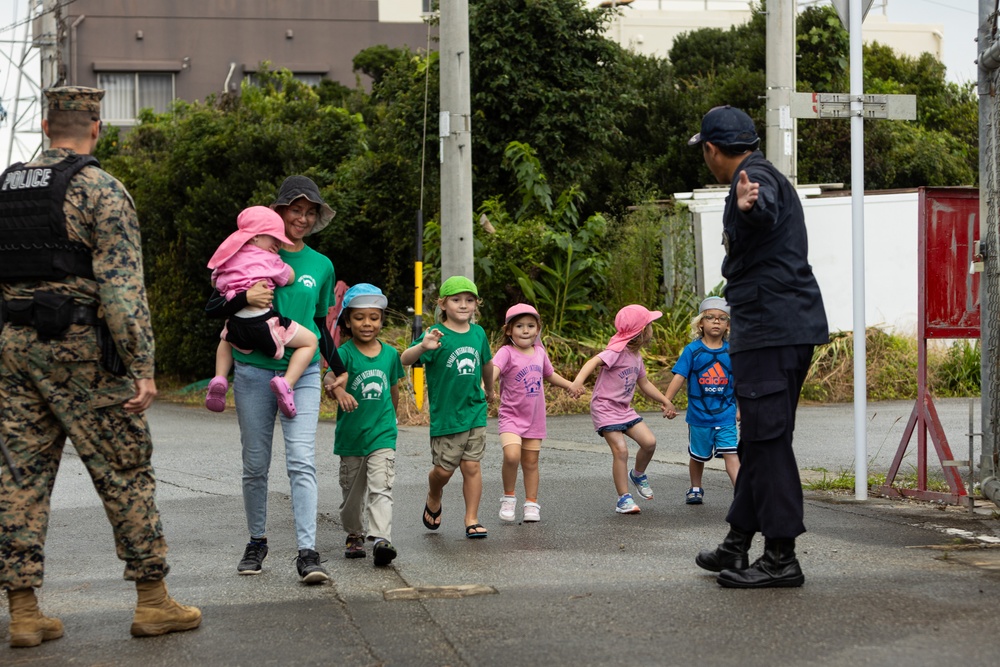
point(20, 97)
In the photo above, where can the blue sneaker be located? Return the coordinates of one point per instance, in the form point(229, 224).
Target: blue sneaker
point(694, 496)
point(626, 505)
point(641, 483)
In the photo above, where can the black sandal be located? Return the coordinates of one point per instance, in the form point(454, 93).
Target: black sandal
point(472, 533)
point(432, 515)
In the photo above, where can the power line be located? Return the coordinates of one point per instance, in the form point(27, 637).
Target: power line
point(17, 24)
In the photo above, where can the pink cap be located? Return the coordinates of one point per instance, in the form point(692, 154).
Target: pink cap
point(251, 222)
point(630, 322)
point(520, 309)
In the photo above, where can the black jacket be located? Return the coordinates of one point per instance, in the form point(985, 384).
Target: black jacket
point(770, 286)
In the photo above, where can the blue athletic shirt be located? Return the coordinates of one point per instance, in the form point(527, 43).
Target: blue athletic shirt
point(709, 374)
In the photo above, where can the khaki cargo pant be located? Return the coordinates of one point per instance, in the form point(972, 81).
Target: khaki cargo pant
point(366, 483)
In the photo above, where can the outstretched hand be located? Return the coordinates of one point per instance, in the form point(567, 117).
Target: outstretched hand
point(432, 339)
point(746, 192)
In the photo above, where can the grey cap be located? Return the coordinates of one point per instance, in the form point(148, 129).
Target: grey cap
point(714, 303)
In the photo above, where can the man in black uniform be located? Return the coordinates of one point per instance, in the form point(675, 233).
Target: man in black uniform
point(777, 319)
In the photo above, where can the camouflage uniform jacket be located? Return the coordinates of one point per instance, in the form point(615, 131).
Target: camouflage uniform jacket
point(100, 213)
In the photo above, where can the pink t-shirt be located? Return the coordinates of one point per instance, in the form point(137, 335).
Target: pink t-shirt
point(522, 399)
point(613, 391)
point(247, 267)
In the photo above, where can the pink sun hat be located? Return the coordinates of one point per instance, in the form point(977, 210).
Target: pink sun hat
point(629, 323)
point(520, 309)
point(251, 222)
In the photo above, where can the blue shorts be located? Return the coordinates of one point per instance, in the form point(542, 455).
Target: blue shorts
point(619, 427)
point(708, 441)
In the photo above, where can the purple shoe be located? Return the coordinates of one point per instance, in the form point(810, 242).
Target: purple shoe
point(215, 400)
point(285, 395)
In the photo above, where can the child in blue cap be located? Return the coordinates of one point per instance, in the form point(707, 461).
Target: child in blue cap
point(365, 439)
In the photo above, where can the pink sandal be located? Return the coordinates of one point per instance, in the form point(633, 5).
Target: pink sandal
point(215, 399)
point(285, 395)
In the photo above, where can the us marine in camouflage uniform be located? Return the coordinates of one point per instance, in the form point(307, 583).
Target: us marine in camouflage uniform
point(53, 385)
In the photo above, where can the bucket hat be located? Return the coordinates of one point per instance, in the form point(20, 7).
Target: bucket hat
point(629, 323)
point(251, 222)
point(457, 285)
point(301, 186)
point(714, 303)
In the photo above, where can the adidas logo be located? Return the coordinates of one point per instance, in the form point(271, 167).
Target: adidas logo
point(714, 376)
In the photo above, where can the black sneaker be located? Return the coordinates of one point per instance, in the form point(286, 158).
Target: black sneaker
point(383, 553)
point(253, 557)
point(309, 568)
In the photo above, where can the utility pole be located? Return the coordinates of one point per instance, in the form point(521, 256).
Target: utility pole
point(780, 82)
point(46, 39)
point(455, 123)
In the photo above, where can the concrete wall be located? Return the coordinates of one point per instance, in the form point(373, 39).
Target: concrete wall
point(890, 253)
point(651, 31)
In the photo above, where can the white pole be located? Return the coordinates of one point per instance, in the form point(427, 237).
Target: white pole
point(456, 141)
point(858, 247)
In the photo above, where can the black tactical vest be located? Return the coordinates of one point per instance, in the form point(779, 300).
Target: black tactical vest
point(33, 240)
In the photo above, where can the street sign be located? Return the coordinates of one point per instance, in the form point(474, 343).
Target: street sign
point(838, 105)
point(843, 11)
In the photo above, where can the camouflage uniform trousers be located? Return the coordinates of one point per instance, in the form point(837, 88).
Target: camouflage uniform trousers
point(50, 390)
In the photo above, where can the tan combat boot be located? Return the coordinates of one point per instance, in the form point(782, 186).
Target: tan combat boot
point(156, 613)
point(27, 625)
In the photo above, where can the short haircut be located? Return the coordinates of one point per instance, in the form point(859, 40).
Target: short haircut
point(70, 124)
point(735, 150)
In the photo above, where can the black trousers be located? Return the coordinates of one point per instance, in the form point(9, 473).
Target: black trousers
point(768, 496)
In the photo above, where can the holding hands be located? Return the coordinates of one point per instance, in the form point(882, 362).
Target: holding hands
point(335, 389)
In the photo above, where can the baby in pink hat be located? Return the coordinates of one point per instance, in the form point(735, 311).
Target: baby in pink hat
point(250, 255)
point(622, 370)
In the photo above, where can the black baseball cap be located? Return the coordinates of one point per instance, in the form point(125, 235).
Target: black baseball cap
point(727, 126)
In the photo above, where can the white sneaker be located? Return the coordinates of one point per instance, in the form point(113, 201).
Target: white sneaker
point(508, 504)
point(531, 511)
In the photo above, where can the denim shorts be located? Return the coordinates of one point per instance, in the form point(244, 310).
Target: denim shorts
point(619, 427)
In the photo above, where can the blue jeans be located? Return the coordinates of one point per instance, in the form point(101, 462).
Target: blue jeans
point(256, 407)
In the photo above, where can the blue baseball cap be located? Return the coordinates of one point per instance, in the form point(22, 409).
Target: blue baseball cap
point(727, 126)
point(363, 295)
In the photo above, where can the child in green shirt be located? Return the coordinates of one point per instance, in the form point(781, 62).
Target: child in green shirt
point(365, 438)
point(457, 359)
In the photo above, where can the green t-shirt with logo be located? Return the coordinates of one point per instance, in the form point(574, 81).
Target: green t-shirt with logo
point(309, 297)
point(455, 379)
point(372, 425)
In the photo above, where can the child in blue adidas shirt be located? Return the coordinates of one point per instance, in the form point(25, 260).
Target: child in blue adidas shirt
point(712, 413)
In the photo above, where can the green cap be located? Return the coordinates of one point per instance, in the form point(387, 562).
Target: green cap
point(457, 285)
point(74, 98)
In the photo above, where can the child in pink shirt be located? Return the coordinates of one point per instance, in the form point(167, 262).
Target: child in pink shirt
point(521, 365)
point(248, 256)
point(622, 370)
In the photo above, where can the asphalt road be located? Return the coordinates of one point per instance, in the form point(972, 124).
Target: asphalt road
point(887, 582)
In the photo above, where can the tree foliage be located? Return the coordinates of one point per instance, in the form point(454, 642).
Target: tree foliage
point(570, 132)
